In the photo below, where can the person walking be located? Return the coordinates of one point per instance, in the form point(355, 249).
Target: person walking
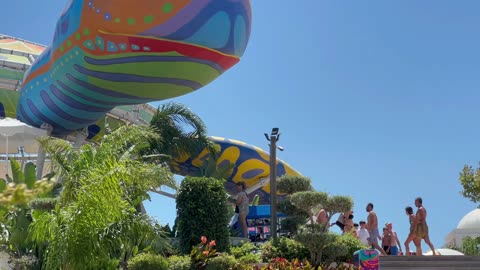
point(421, 228)
point(242, 203)
point(372, 227)
point(411, 234)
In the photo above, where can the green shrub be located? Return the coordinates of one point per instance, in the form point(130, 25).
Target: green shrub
point(179, 263)
point(284, 248)
point(222, 262)
point(242, 250)
point(250, 258)
point(316, 242)
point(146, 261)
point(469, 245)
point(44, 204)
point(202, 211)
point(245, 253)
point(291, 184)
point(351, 244)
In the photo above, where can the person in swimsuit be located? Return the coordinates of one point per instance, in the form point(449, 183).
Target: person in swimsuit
point(411, 234)
point(242, 203)
point(372, 227)
point(394, 242)
point(348, 221)
point(420, 228)
point(323, 218)
point(386, 239)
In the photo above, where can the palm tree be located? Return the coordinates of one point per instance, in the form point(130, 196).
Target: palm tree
point(180, 130)
point(103, 185)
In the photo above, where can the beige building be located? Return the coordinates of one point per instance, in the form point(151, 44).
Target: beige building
point(469, 225)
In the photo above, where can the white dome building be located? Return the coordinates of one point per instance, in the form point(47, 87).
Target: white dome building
point(469, 225)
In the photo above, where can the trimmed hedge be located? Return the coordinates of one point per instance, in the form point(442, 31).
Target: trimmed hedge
point(146, 261)
point(179, 263)
point(202, 211)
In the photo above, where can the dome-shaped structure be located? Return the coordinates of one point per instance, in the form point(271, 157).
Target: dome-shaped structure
point(445, 252)
point(470, 220)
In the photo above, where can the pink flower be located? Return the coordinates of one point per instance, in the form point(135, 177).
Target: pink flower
point(204, 239)
point(212, 243)
point(205, 253)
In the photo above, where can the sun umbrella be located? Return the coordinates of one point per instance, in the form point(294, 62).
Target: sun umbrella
point(16, 133)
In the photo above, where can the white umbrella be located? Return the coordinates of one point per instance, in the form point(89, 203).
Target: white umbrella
point(16, 133)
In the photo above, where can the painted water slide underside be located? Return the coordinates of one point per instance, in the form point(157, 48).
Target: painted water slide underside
point(108, 53)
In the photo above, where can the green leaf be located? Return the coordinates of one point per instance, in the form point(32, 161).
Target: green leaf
point(135, 251)
point(36, 214)
point(3, 185)
point(30, 174)
point(17, 173)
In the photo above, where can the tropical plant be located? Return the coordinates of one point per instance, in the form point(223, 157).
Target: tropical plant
point(146, 261)
point(202, 253)
point(307, 200)
point(315, 237)
point(181, 132)
point(211, 168)
point(246, 253)
point(135, 234)
point(96, 215)
point(284, 248)
point(284, 264)
point(179, 262)
point(291, 184)
point(295, 215)
point(342, 249)
point(222, 262)
point(15, 214)
point(316, 241)
point(202, 210)
point(470, 245)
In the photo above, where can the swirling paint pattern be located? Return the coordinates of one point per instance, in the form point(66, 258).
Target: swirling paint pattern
point(249, 164)
point(108, 53)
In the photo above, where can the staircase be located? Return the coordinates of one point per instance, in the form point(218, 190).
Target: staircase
point(430, 262)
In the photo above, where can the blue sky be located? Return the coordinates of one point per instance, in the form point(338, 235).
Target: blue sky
point(377, 101)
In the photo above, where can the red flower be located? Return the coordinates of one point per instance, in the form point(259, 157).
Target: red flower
point(204, 239)
point(212, 243)
point(205, 253)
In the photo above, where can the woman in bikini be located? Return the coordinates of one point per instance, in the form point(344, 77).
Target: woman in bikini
point(242, 203)
point(411, 235)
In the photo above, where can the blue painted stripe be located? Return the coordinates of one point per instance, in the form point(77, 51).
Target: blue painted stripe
point(87, 98)
point(41, 116)
point(119, 77)
point(26, 119)
point(61, 113)
point(41, 111)
point(104, 91)
point(75, 112)
point(150, 58)
point(74, 103)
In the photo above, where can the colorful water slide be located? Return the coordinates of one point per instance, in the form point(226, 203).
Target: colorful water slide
point(247, 163)
point(110, 53)
point(107, 53)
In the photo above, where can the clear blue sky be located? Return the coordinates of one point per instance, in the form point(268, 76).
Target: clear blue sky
point(378, 101)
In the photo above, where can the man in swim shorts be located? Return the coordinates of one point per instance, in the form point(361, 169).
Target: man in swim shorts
point(420, 228)
point(372, 227)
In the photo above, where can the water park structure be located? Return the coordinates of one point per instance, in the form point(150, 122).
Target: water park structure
point(108, 59)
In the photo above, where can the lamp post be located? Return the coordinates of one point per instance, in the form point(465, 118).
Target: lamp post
point(273, 139)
